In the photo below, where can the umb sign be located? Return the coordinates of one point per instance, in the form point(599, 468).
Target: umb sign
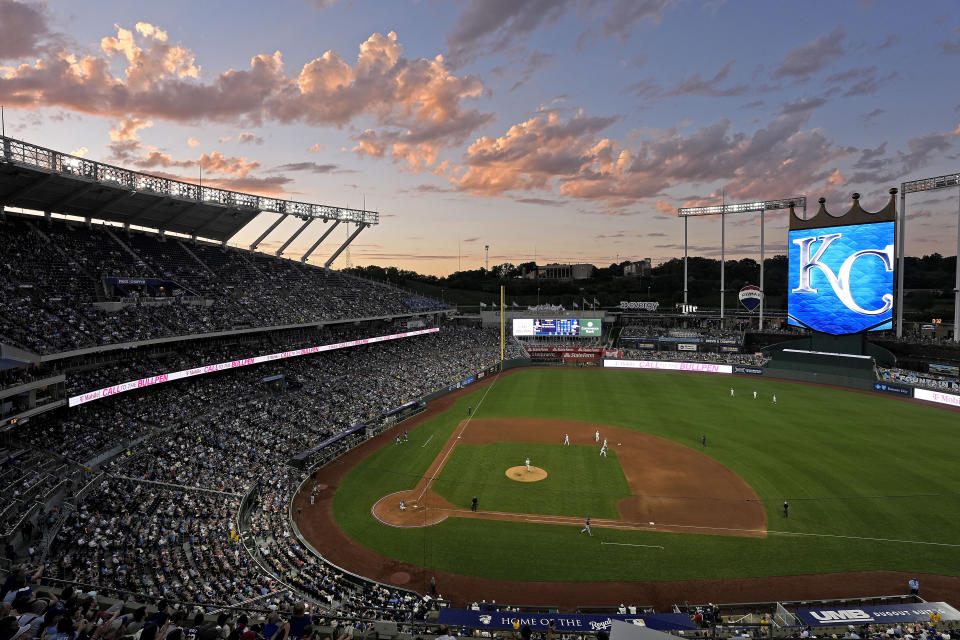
point(750, 297)
point(841, 276)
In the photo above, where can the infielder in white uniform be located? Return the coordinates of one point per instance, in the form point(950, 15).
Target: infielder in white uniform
point(586, 528)
point(596, 437)
point(603, 450)
point(566, 438)
point(403, 505)
point(528, 464)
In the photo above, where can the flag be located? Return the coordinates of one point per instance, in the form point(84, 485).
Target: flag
point(514, 303)
point(494, 305)
point(585, 303)
point(576, 306)
point(483, 305)
point(596, 302)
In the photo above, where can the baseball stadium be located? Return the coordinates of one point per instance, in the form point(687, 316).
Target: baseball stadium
point(213, 426)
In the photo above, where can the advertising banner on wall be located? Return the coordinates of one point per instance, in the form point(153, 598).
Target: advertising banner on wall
point(663, 365)
point(686, 347)
point(895, 389)
point(746, 370)
point(565, 622)
point(937, 396)
point(841, 278)
point(876, 614)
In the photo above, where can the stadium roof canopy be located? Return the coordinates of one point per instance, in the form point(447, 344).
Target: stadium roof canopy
point(41, 179)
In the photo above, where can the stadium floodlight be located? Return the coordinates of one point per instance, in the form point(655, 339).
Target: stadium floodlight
point(916, 186)
point(723, 210)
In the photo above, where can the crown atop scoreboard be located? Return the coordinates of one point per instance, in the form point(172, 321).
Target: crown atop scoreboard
point(854, 215)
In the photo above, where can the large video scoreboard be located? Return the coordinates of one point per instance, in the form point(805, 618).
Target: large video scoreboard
point(576, 327)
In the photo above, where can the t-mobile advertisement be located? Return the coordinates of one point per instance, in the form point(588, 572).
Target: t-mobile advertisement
point(937, 396)
point(662, 365)
point(243, 362)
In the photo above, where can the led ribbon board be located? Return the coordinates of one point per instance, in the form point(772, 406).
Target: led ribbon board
point(234, 364)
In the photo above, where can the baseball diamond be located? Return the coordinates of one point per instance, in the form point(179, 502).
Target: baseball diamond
point(689, 517)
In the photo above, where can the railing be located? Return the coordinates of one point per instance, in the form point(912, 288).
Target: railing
point(47, 159)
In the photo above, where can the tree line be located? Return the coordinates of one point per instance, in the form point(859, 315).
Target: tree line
point(928, 283)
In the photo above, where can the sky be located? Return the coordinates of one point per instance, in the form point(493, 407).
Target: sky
point(548, 130)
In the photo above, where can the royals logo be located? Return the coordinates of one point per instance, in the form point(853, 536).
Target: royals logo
point(841, 278)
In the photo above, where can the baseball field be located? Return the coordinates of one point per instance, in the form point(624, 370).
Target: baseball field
point(870, 480)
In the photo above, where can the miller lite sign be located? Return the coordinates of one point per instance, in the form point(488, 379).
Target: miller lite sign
point(750, 297)
point(841, 276)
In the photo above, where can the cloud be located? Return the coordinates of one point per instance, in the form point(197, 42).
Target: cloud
point(80, 152)
point(876, 113)
point(860, 81)
point(312, 167)
point(548, 154)
point(22, 28)
point(696, 86)
point(803, 106)
point(419, 102)
point(486, 26)
point(147, 66)
point(951, 46)
point(492, 25)
point(193, 142)
point(223, 139)
point(317, 148)
point(248, 137)
point(802, 61)
point(127, 129)
point(469, 240)
point(890, 41)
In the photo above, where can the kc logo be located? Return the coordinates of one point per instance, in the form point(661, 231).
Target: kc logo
point(841, 279)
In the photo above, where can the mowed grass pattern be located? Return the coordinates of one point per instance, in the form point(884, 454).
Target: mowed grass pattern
point(869, 479)
point(579, 481)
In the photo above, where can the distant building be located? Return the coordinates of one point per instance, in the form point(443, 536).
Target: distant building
point(562, 272)
point(638, 269)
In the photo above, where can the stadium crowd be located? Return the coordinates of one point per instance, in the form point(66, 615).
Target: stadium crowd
point(59, 279)
point(164, 519)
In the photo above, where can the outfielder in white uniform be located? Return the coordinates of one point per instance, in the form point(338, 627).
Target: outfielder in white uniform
point(528, 464)
point(586, 528)
point(731, 392)
point(754, 395)
point(774, 398)
point(566, 438)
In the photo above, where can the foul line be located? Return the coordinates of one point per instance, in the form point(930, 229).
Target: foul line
point(428, 440)
point(446, 455)
point(627, 544)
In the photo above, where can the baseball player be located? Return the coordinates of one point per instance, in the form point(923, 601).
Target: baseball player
point(603, 449)
point(528, 465)
point(754, 395)
point(731, 392)
point(566, 438)
point(774, 398)
point(403, 505)
point(586, 528)
point(596, 437)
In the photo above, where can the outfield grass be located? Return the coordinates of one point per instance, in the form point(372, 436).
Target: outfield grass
point(868, 478)
point(578, 482)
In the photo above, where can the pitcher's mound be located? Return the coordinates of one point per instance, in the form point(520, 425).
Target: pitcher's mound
point(520, 474)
